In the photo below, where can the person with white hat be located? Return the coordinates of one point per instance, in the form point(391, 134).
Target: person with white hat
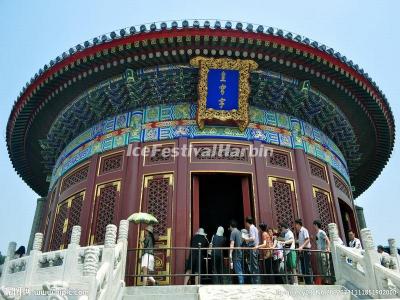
point(147, 263)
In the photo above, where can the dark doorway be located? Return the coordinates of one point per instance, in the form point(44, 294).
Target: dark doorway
point(348, 220)
point(219, 198)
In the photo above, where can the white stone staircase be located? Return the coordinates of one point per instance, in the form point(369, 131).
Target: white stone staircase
point(100, 271)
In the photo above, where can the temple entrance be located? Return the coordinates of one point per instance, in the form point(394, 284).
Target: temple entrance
point(218, 198)
point(348, 219)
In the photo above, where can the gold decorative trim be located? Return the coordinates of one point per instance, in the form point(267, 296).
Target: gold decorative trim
point(239, 116)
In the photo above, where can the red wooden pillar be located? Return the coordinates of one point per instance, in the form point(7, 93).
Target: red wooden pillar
point(307, 203)
point(246, 197)
point(181, 223)
point(131, 197)
point(87, 208)
point(263, 198)
point(335, 199)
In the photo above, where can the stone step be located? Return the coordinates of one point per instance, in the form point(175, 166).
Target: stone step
point(172, 292)
point(246, 292)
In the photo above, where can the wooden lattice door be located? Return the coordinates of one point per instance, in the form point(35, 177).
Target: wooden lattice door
point(283, 198)
point(68, 213)
point(157, 200)
point(105, 208)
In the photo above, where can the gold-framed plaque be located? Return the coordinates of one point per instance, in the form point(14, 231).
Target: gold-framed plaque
point(223, 91)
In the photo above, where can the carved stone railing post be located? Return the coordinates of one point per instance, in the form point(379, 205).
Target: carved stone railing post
point(111, 234)
point(394, 255)
point(123, 239)
point(90, 267)
point(336, 259)
point(32, 262)
point(37, 242)
point(123, 230)
point(75, 236)
point(12, 247)
point(370, 257)
point(72, 255)
point(91, 261)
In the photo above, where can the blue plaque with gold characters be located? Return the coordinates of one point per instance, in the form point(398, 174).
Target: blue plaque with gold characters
point(223, 90)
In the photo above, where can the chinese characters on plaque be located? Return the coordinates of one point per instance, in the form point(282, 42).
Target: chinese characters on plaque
point(223, 91)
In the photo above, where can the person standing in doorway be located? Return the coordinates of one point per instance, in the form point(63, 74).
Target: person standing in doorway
point(195, 261)
point(353, 241)
point(217, 258)
point(236, 255)
point(304, 250)
point(253, 242)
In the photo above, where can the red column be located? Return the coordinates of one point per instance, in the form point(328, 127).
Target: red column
point(306, 201)
point(335, 200)
point(130, 203)
point(90, 194)
point(182, 211)
point(263, 198)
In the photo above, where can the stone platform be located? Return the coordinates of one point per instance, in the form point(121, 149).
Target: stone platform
point(248, 292)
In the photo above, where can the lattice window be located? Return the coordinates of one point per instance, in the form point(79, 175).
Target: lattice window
point(106, 201)
point(342, 186)
point(159, 155)
point(280, 159)
point(221, 152)
point(58, 227)
point(74, 214)
point(76, 177)
point(283, 201)
point(157, 202)
point(324, 208)
point(111, 163)
point(317, 170)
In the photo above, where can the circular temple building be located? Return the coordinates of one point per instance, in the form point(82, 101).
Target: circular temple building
point(197, 123)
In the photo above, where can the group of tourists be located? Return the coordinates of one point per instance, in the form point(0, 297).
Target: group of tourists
point(256, 255)
point(264, 255)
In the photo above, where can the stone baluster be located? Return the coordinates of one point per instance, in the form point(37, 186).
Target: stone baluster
point(38, 242)
point(32, 262)
point(123, 239)
point(72, 255)
point(336, 258)
point(12, 247)
point(123, 230)
point(370, 257)
point(90, 264)
point(111, 234)
point(394, 255)
point(75, 236)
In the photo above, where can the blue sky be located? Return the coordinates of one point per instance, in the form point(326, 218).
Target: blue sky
point(33, 32)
